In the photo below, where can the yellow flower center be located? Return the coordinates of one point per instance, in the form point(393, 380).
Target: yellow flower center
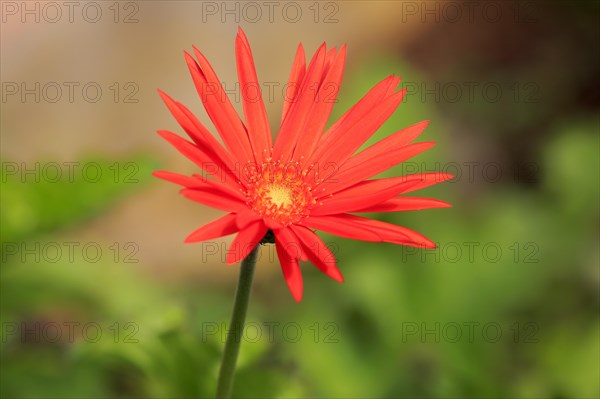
point(279, 195)
point(279, 192)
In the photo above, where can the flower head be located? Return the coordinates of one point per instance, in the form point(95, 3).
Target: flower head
point(309, 178)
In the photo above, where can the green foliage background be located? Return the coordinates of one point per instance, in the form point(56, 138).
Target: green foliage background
point(357, 339)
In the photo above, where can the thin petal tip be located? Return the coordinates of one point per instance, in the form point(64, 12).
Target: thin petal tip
point(160, 173)
point(241, 34)
point(231, 259)
point(297, 294)
point(189, 239)
point(337, 276)
point(429, 245)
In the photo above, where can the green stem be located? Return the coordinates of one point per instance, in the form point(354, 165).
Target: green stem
point(236, 327)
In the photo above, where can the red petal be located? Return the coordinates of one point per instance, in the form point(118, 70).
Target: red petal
point(246, 217)
point(299, 110)
point(428, 179)
point(346, 177)
point(246, 240)
point(291, 271)
point(329, 57)
point(233, 190)
point(396, 234)
point(189, 150)
point(182, 119)
point(257, 122)
point(182, 180)
point(290, 243)
point(420, 180)
point(200, 157)
point(352, 116)
point(400, 204)
point(214, 197)
point(223, 158)
point(393, 85)
point(197, 132)
point(393, 142)
point(294, 81)
point(362, 195)
point(317, 252)
point(366, 229)
point(323, 103)
point(223, 226)
point(336, 225)
point(272, 224)
point(370, 100)
point(219, 108)
point(197, 181)
point(351, 138)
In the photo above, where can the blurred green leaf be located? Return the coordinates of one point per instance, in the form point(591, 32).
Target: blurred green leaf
point(40, 197)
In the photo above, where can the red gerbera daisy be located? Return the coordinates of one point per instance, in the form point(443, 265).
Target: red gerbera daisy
point(308, 178)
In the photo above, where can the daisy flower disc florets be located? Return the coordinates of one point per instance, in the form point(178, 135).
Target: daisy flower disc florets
point(280, 192)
